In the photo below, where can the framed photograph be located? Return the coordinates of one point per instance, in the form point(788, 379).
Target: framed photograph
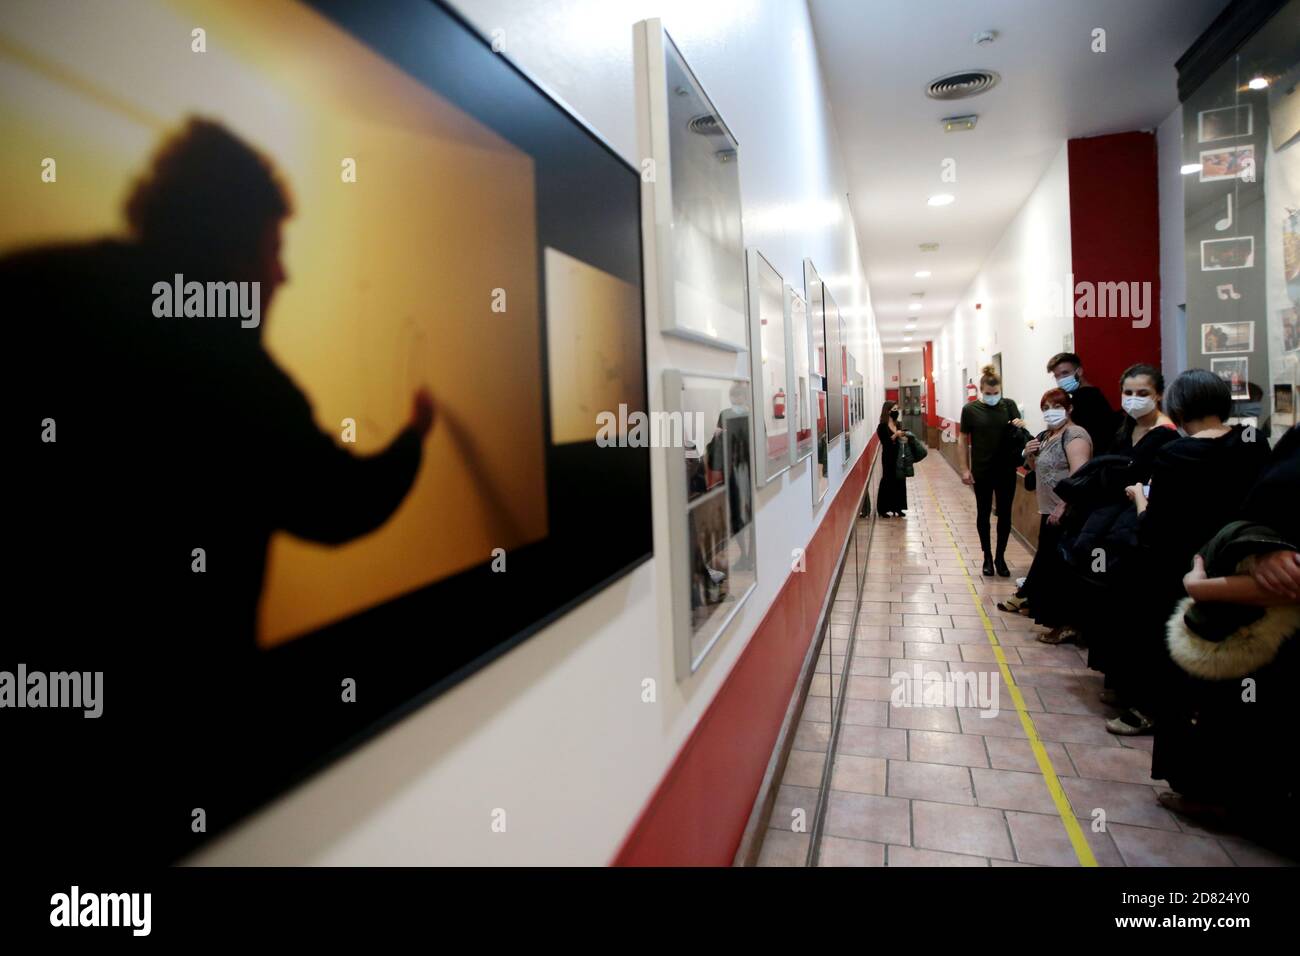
point(815, 292)
point(711, 509)
point(1290, 322)
point(771, 365)
point(801, 412)
point(1283, 405)
point(1223, 254)
point(834, 365)
point(398, 452)
point(1228, 122)
point(1236, 372)
point(691, 200)
point(1228, 162)
point(1227, 337)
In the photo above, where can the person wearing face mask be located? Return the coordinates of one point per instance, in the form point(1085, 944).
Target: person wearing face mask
point(989, 446)
point(1055, 455)
point(1091, 410)
point(1197, 486)
point(891, 496)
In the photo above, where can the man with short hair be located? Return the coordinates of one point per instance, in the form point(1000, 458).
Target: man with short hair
point(1090, 408)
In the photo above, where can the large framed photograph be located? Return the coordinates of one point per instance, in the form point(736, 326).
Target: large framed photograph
point(1227, 337)
point(801, 413)
point(1228, 122)
point(1283, 405)
point(1228, 162)
point(771, 364)
point(692, 198)
point(355, 489)
point(815, 292)
point(834, 365)
point(711, 509)
point(1237, 252)
point(1236, 372)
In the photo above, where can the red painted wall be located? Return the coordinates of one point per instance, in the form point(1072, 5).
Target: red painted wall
point(931, 398)
point(697, 815)
point(1115, 237)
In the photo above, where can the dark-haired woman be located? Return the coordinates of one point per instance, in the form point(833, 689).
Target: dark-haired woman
point(1198, 485)
point(990, 454)
point(891, 496)
point(1062, 451)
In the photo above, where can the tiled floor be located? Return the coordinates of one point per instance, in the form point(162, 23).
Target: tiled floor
point(940, 785)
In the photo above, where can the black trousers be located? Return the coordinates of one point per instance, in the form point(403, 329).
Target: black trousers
point(1002, 485)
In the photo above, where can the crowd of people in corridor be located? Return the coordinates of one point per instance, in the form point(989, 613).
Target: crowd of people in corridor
point(1167, 547)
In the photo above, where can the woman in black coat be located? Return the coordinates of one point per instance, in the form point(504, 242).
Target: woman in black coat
point(891, 496)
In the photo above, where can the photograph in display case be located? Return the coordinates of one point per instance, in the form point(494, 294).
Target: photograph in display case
point(352, 465)
point(694, 225)
point(1237, 252)
point(1228, 162)
point(711, 508)
point(1283, 405)
point(1227, 122)
point(815, 293)
point(1227, 337)
point(771, 367)
point(834, 365)
point(801, 415)
point(1236, 372)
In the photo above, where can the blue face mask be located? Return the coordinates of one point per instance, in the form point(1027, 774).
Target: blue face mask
point(1069, 383)
point(991, 399)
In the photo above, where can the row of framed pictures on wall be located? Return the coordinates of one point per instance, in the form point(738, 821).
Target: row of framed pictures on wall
point(739, 432)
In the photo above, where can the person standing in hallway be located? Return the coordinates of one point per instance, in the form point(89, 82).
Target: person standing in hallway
point(989, 447)
point(891, 496)
point(1091, 409)
point(1060, 452)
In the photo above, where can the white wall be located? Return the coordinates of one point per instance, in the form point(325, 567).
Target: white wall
point(1031, 263)
point(556, 733)
point(1173, 264)
point(911, 367)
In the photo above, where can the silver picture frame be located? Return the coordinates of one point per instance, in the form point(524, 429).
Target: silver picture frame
point(797, 325)
point(815, 295)
point(771, 369)
point(691, 206)
point(711, 508)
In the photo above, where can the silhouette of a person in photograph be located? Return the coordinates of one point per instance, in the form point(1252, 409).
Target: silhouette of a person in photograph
point(173, 448)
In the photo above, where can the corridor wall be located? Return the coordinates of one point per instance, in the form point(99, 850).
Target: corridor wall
point(557, 738)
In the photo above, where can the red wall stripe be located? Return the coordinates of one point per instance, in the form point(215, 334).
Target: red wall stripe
point(1115, 237)
point(697, 814)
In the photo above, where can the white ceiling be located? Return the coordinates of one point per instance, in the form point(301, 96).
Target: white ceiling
point(879, 55)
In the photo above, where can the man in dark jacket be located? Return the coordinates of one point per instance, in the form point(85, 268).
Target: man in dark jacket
point(1091, 410)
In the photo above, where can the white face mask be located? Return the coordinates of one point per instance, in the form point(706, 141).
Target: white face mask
point(1138, 405)
point(1069, 382)
point(991, 399)
point(1054, 417)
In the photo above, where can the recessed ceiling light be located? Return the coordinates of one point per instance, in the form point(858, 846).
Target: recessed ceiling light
point(905, 348)
point(1258, 83)
point(1190, 168)
point(941, 199)
point(923, 274)
point(910, 328)
point(914, 307)
point(929, 247)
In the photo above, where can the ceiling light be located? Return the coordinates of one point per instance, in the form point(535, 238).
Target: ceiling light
point(1258, 83)
point(959, 124)
point(905, 348)
point(929, 247)
point(923, 274)
point(985, 37)
point(941, 199)
point(1190, 168)
point(914, 307)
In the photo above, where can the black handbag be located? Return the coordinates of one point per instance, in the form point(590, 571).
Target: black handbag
point(1031, 476)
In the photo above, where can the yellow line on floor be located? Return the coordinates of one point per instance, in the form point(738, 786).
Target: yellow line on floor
point(1063, 808)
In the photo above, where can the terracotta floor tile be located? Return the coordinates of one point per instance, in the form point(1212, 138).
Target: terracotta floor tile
point(943, 719)
point(1141, 846)
point(1010, 753)
point(964, 750)
point(782, 848)
point(803, 768)
point(1042, 839)
point(865, 741)
point(908, 856)
point(861, 816)
point(1112, 763)
point(838, 851)
point(974, 831)
point(1131, 803)
point(854, 774)
point(940, 783)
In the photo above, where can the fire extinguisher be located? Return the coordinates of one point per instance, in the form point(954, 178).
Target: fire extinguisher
point(778, 404)
point(972, 392)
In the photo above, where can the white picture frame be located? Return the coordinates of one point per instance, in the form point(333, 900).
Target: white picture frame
point(770, 367)
point(815, 296)
point(1215, 254)
point(796, 311)
point(691, 206)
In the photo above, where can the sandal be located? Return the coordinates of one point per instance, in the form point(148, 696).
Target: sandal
point(1064, 634)
point(1131, 723)
point(1014, 604)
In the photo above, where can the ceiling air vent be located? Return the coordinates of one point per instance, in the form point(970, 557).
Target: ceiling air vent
point(959, 86)
point(706, 124)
